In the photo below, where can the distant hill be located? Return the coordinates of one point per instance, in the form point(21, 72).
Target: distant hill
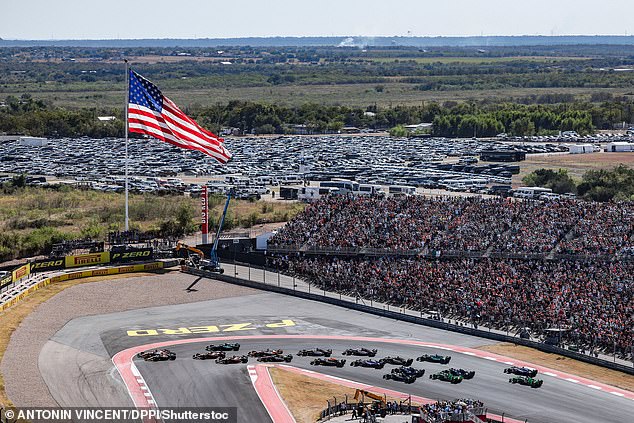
point(360, 42)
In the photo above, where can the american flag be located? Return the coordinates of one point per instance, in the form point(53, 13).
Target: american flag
point(153, 114)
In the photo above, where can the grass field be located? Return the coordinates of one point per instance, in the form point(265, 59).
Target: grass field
point(576, 164)
point(476, 59)
point(32, 218)
point(362, 95)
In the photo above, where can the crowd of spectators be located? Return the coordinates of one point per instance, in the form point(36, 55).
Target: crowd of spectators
point(442, 411)
point(592, 300)
point(590, 295)
point(468, 224)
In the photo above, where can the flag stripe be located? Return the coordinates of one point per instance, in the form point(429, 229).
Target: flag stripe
point(153, 114)
point(162, 121)
point(162, 136)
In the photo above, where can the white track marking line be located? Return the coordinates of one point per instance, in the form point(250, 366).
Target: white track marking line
point(550, 374)
point(598, 388)
point(618, 394)
point(490, 358)
point(572, 380)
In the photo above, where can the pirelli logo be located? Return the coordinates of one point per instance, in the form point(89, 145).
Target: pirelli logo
point(21, 272)
point(87, 259)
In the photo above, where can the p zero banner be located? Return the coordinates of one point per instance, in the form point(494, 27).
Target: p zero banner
point(47, 264)
point(87, 259)
point(136, 255)
point(21, 272)
point(6, 281)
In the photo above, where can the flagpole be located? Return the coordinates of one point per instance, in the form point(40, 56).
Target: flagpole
point(127, 101)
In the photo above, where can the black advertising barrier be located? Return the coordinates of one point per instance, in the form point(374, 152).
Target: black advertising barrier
point(44, 265)
point(138, 254)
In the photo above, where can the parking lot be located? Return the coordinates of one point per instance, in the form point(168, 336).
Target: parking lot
point(260, 162)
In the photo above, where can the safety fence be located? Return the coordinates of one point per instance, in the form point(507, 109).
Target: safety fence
point(440, 254)
point(397, 313)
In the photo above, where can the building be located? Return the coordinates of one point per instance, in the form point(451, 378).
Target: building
point(580, 148)
point(619, 147)
point(419, 128)
point(33, 141)
point(502, 156)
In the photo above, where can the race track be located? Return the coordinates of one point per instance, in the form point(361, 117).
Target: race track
point(90, 379)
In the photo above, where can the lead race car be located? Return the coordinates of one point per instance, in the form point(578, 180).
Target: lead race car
point(265, 353)
point(435, 358)
point(374, 364)
point(157, 355)
point(315, 352)
point(521, 371)
point(397, 361)
point(236, 359)
point(360, 352)
point(223, 347)
point(277, 358)
point(209, 355)
point(526, 381)
point(331, 362)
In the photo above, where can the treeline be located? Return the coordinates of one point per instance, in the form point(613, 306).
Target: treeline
point(28, 116)
point(616, 184)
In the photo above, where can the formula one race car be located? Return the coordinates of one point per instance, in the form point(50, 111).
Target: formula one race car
point(233, 360)
point(316, 352)
point(157, 355)
point(223, 347)
point(401, 377)
point(333, 362)
point(209, 355)
point(440, 359)
point(527, 381)
point(466, 374)
point(446, 376)
point(375, 364)
point(521, 371)
point(265, 353)
point(409, 371)
point(360, 351)
point(397, 361)
point(278, 358)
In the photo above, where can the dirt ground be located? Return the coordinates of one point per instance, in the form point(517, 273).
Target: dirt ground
point(577, 164)
point(11, 318)
point(305, 396)
point(564, 364)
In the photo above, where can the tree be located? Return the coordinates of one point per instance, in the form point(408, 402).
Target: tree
point(398, 131)
point(560, 182)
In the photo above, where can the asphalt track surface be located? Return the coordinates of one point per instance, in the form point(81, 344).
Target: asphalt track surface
point(77, 366)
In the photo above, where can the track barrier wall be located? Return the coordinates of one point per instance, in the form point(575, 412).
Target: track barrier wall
point(412, 319)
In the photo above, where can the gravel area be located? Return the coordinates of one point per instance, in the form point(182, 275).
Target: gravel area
point(23, 383)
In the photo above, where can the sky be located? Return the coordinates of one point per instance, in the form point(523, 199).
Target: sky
point(122, 19)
